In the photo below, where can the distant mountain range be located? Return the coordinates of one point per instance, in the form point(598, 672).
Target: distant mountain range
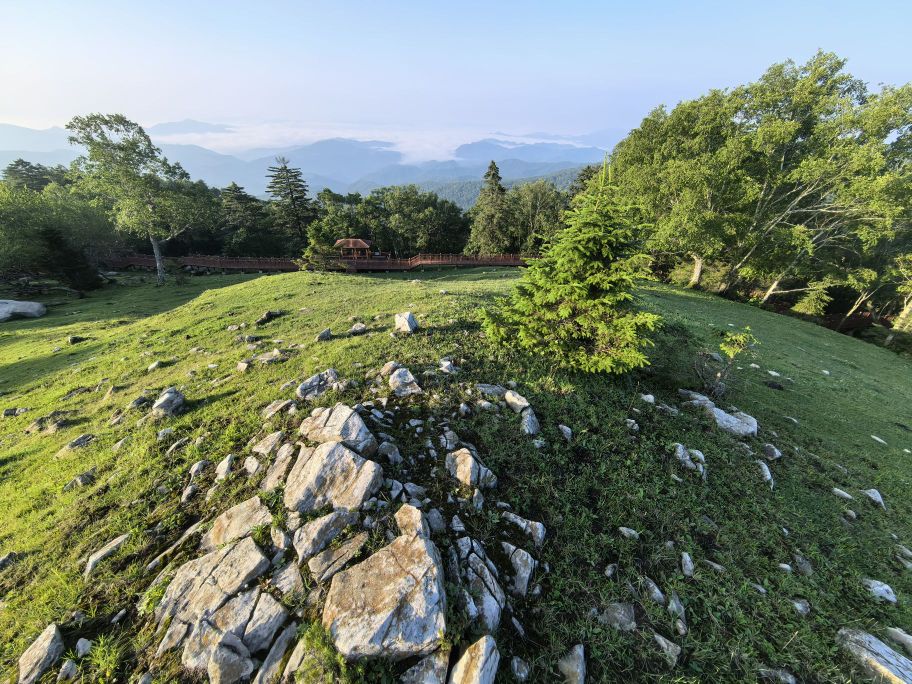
point(342, 164)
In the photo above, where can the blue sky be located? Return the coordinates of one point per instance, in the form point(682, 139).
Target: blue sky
point(420, 67)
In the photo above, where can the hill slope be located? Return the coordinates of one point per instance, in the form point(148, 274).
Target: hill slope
point(583, 490)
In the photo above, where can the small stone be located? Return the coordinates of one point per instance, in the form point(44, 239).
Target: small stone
point(573, 665)
point(875, 497)
point(104, 552)
point(324, 335)
point(629, 533)
point(687, 565)
point(357, 329)
point(529, 423)
point(68, 671)
point(405, 323)
point(251, 465)
point(880, 590)
point(670, 650)
point(619, 616)
point(566, 432)
point(843, 495)
point(802, 607)
point(520, 669)
point(516, 401)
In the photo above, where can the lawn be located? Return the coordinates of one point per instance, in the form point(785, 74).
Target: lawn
point(582, 490)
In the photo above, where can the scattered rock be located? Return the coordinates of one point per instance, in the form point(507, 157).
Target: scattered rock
point(403, 384)
point(776, 675)
point(108, 549)
point(324, 335)
point(276, 407)
point(529, 423)
point(629, 533)
point(516, 401)
point(330, 561)
point(670, 650)
point(429, 670)
point(901, 638)
point(880, 590)
point(314, 536)
point(276, 473)
point(469, 470)
point(535, 530)
point(842, 495)
point(523, 567)
point(405, 323)
point(687, 565)
point(68, 671)
point(169, 403)
point(319, 384)
point(40, 655)
point(878, 660)
point(271, 668)
point(875, 497)
point(520, 669)
point(620, 616)
point(573, 665)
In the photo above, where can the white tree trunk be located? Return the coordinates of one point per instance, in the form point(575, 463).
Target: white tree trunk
point(771, 291)
point(159, 262)
point(697, 273)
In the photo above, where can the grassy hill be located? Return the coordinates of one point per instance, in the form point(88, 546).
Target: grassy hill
point(582, 490)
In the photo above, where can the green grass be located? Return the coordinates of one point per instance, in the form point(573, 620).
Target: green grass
point(582, 491)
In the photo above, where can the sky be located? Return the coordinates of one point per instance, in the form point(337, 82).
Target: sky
point(420, 72)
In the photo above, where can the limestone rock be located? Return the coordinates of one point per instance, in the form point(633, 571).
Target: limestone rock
point(411, 521)
point(573, 665)
point(12, 308)
point(332, 475)
point(520, 669)
point(276, 407)
point(523, 567)
point(478, 665)
point(875, 497)
point(40, 655)
point(535, 530)
point(276, 473)
point(429, 670)
point(873, 656)
point(313, 537)
point(108, 549)
point(169, 403)
point(324, 335)
point(880, 590)
point(269, 443)
point(68, 671)
point(268, 616)
point(405, 323)
point(392, 604)
point(357, 329)
point(288, 580)
point(339, 424)
point(901, 638)
point(223, 469)
point(483, 586)
point(229, 662)
point(403, 383)
point(272, 666)
point(516, 401)
point(776, 675)
point(330, 561)
point(529, 423)
point(236, 522)
point(670, 650)
point(620, 616)
point(469, 470)
point(318, 384)
point(687, 565)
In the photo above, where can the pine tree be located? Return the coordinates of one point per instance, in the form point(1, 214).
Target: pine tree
point(574, 304)
point(293, 209)
point(246, 228)
point(491, 224)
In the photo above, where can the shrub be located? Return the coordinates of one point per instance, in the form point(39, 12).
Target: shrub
point(575, 303)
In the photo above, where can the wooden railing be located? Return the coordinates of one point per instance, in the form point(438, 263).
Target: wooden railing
point(220, 263)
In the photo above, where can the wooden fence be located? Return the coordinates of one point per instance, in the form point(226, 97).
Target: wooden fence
point(218, 263)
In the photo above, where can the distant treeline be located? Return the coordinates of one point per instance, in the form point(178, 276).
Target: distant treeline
point(793, 191)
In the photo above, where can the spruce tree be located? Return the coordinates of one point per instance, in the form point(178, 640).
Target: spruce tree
point(574, 304)
point(490, 217)
point(292, 208)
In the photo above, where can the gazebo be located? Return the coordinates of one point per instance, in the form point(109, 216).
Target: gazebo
point(353, 248)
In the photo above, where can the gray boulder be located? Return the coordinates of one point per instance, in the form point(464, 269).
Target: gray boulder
point(339, 424)
point(40, 655)
point(11, 308)
point(332, 475)
point(405, 323)
point(393, 604)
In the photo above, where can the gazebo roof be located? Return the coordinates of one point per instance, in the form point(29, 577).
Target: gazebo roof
point(352, 243)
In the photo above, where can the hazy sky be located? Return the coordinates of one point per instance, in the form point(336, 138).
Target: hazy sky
point(420, 67)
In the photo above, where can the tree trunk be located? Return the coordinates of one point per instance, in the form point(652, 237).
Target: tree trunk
point(858, 302)
point(771, 291)
point(697, 274)
point(159, 262)
point(903, 322)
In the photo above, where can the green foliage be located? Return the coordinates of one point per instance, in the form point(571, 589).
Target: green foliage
point(574, 304)
point(815, 301)
point(105, 658)
point(245, 225)
point(736, 343)
point(24, 174)
point(490, 217)
point(292, 208)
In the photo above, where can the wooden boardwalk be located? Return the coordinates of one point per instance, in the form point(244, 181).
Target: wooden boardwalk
point(218, 263)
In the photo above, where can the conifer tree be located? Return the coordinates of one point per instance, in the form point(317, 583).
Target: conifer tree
point(491, 225)
point(292, 208)
point(574, 304)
